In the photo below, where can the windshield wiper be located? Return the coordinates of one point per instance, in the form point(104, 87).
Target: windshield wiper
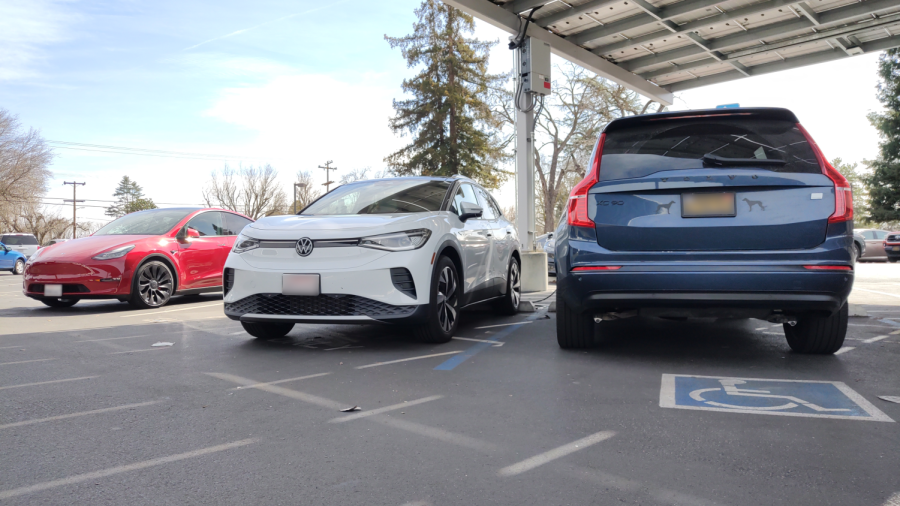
point(737, 162)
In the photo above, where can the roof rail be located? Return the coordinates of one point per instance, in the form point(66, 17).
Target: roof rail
point(460, 176)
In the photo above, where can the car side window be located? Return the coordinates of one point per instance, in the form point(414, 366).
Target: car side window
point(207, 224)
point(485, 202)
point(868, 235)
point(465, 193)
point(232, 224)
point(880, 234)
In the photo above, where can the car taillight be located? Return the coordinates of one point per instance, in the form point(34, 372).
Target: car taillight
point(597, 268)
point(578, 205)
point(828, 267)
point(843, 195)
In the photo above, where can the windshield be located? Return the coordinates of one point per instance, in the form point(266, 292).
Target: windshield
point(155, 222)
point(400, 195)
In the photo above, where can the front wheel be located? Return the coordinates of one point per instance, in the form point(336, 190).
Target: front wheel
point(267, 330)
point(443, 305)
point(152, 286)
point(19, 268)
point(509, 303)
point(858, 251)
point(819, 335)
point(59, 302)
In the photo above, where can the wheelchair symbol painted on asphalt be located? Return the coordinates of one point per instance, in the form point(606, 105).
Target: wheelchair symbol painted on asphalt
point(820, 399)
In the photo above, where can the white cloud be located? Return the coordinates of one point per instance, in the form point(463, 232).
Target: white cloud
point(25, 28)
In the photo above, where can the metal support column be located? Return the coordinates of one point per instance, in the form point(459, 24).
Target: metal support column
point(524, 171)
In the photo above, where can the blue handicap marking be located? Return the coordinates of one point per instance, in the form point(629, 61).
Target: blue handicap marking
point(728, 106)
point(821, 399)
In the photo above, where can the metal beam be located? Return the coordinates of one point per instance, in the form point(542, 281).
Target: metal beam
point(574, 11)
point(505, 20)
point(517, 6)
point(810, 14)
point(790, 63)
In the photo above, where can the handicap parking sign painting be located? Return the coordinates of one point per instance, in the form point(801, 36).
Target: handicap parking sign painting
point(820, 399)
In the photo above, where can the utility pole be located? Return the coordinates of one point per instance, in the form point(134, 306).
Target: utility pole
point(328, 182)
point(74, 203)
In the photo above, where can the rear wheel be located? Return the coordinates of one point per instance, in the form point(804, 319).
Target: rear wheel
point(509, 303)
point(19, 268)
point(152, 285)
point(858, 251)
point(52, 302)
point(573, 330)
point(267, 330)
point(443, 306)
point(820, 335)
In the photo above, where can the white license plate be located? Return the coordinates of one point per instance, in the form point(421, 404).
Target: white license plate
point(53, 290)
point(300, 284)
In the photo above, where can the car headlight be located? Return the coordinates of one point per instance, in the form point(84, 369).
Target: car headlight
point(398, 241)
point(244, 243)
point(114, 253)
point(36, 254)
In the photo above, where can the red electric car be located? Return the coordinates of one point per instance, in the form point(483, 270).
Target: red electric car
point(143, 258)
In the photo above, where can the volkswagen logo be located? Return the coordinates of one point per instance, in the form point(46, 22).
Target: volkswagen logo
point(304, 247)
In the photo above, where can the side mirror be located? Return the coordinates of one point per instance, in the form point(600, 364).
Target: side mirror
point(186, 233)
point(468, 210)
point(192, 234)
point(550, 236)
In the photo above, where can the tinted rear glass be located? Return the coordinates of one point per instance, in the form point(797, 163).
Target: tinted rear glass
point(682, 144)
point(18, 240)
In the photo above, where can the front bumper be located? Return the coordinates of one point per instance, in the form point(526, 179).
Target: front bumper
point(94, 280)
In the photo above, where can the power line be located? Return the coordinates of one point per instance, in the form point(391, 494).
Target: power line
point(124, 150)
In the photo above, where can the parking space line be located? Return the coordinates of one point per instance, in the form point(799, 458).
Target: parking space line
point(496, 344)
point(283, 381)
point(287, 392)
point(75, 415)
point(894, 333)
point(377, 364)
point(138, 351)
point(502, 325)
point(111, 339)
point(151, 313)
point(16, 492)
point(845, 349)
point(876, 291)
point(47, 382)
point(551, 455)
point(28, 361)
point(893, 500)
point(453, 362)
point(10, 347)
point(874, 339)
point(385, 409)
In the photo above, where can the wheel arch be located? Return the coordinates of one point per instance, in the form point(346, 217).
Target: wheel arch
point(162, 258)
point(451, 251)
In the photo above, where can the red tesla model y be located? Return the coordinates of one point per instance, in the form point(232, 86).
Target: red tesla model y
point(143, 258)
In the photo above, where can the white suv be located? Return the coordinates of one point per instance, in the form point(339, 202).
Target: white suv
point(25, 244)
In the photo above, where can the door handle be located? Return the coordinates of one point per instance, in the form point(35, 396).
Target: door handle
point(489, 235)
point(509, 232)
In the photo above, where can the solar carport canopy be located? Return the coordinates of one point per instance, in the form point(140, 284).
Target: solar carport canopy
point(658, 47)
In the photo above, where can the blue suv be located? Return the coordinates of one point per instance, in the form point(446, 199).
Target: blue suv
point(729, 213)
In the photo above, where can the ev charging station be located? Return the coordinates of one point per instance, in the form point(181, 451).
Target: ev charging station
point(660, 47)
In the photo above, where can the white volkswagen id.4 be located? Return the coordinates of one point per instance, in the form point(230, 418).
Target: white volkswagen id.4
point(410, 250)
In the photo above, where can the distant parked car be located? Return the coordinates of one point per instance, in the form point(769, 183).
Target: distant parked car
point(25, 244)
point(874, 249)
point(547, 244)
point(11, 260)
point(56, 241)
point(891, 246)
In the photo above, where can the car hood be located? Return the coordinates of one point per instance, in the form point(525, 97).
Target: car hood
point(86, 247)
point(337, 227)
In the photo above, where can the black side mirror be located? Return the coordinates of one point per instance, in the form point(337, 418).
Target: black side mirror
point(181, 236)
point(468, 210)
point(550, 236)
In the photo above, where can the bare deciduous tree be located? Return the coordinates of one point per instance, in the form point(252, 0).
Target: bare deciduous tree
point(253, 191)
point(305, 194)
point(24, 162)
point(360, 174)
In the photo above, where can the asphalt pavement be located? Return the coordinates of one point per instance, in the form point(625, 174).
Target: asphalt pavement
point(660, 412)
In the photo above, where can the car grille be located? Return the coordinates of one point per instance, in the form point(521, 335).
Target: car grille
point(893, 238)
point(39, 288)
point(227, 279)
point(319, 305)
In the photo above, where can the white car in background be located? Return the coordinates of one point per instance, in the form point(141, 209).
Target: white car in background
point(25, 244)
point(411, 250)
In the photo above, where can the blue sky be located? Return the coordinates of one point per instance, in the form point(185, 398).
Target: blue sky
point(292, 83)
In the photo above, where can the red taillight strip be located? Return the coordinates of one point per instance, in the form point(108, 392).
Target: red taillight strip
point(843, 197)
point(828, 267)
point(578, 206)
point(597, 268)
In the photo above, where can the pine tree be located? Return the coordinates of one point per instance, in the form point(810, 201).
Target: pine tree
point(448, 116)
point(884, 183)
point(130, 198)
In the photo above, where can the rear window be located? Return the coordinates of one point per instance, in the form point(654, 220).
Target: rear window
point(18, 240)
point(719, 143)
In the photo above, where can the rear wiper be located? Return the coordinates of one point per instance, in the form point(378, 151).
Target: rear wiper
point(736, 162)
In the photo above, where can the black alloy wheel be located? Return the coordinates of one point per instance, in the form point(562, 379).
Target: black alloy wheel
point(443, 313)
point(858, 252)
point(152, 286)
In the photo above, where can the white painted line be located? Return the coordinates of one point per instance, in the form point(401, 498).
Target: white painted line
point(880, 293)
point(385, 409)
point(11, 347)
point(138, 351)
point(377, 364)
point(761, 328)
point(287, 392)
point(496, 344)
point(111, 339)
point(866, 325)
point(562, 451)
point(774, 333)
point(75, 415)
point(894, 333)
point(47, 382)
point(282, 381)
point(96, 475)
point(503, 325)
point(874, 339)
point(28, 361)
point(845, 349)
point(893, 500)
point(151, 313)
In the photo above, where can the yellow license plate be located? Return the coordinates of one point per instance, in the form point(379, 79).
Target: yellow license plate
point(896, 248)
point(707, 205)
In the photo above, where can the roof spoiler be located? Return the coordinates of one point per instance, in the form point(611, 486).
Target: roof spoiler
point(773, 113)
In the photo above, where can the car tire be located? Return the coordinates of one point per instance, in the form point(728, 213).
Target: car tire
point(819, 335)
point(443, 304)
point(267, 330)
point(152, 285)
point(509, 303)
point(19, 268)
point(858, 251)
point(891, 260)
point(60, 302)
point(573, 330)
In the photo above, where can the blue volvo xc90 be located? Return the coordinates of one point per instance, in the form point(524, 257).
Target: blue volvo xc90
point(729, 213)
